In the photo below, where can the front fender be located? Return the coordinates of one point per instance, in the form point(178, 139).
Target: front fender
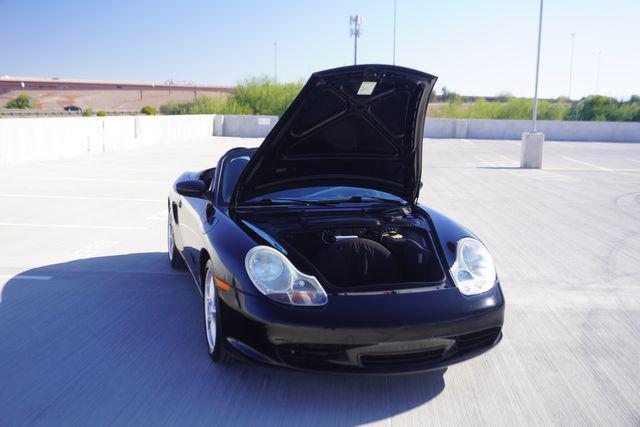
point(447, 233)
point(229, 246)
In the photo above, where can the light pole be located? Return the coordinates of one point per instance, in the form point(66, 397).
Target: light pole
point(535, 93)
point(275, 62)
point(355, 21)
point(598, 75)
point(573, 36)
point(532, 142)
point(394, 32)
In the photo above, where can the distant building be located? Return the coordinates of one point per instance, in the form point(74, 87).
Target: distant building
point(55, 93)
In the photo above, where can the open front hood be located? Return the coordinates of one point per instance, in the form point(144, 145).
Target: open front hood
point(359, 126)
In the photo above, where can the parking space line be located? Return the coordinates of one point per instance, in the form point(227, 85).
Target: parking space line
point(158, 216)
point(110, 199)
point(95, 227)
point(70, 178)
point(588, 164)
point(511, 142)
point(46, 165)
point(495, 160)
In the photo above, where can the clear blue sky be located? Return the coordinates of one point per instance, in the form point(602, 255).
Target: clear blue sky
point(475, 47)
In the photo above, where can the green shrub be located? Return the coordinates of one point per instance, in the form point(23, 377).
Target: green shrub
point(22, 102)
point(149, 110)
point(173, 107)
point(87, 112)
point(602, 108)
point(252, 96)
point(512, 108)
point(264, 96)
point(102, 113)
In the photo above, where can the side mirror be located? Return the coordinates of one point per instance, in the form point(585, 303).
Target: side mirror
point(191, 188)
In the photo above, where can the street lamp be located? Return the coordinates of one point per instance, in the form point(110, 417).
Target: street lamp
point(532, 142)
point(394, 32)
point(598, 75)
point(535, 93)
point(275, 62)
point(355, 22)
point(573, 36)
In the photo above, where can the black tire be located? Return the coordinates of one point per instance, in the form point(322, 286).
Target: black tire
point(218, 353)
point(175, 259)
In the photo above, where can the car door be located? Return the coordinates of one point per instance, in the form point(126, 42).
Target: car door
point(191, 211)
point(197, 216)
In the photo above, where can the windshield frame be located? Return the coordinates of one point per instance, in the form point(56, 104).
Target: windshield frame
point(222, 165)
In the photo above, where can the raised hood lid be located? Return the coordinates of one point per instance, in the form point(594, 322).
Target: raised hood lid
point(359, 126)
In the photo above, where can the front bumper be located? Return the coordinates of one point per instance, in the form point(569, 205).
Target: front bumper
point(376, 334)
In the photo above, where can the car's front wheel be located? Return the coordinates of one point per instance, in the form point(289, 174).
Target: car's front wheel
point(212, 318)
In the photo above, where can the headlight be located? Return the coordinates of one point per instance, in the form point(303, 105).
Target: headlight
point(275, 276)
point(473, 271)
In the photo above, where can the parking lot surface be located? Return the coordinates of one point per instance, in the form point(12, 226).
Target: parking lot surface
point(95, 328)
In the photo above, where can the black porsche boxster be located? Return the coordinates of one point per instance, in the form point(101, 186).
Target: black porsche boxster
point(312, 252)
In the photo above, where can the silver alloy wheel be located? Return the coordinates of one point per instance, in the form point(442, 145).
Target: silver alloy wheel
point(170, 242)
point(210, 310)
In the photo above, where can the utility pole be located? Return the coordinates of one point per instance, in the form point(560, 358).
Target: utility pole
point(598, 75)
point(394, 32)
point(573, 36)
point(355, 21)
point(535, 93)
point(275, 62)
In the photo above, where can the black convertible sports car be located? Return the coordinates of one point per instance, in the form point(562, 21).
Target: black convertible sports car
point(311, 251)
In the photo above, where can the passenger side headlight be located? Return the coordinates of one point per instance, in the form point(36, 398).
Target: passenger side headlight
point(474, 271)
point(275, 276)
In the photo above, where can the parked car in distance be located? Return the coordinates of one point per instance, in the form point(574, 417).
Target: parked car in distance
point(312, 251)
point(72, 108)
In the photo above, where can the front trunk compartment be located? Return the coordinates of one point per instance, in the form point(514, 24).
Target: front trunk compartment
point(355, 250)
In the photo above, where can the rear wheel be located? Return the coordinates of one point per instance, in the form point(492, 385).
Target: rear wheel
point(212, 316)
point(174, 255)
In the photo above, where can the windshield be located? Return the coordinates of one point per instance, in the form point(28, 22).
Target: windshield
point(235, 164)
point(233, 167)
point(329, 194)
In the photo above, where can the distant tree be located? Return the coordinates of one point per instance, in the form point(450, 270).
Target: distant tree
point(503, 96)
point(596, 107)
point(149, 110)
point(450, 96)
point(87, 112)
point(102, 113)
point(22, 102)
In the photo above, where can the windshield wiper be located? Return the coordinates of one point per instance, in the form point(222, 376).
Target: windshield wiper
point(365, 198)
point(278, 200)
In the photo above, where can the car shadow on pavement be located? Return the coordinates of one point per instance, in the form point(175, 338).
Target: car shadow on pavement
point(118, 339)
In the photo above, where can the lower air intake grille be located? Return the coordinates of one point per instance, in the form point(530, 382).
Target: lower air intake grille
point(476, 340)
point(421, 356)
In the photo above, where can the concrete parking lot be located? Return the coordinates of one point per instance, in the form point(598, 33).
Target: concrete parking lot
point(95, 328)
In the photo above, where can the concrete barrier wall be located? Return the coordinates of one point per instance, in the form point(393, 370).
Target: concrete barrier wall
point(247, 126)
point(513, 129)
point(38, 139)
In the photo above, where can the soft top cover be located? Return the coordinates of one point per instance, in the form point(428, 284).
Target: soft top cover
point(359, 126)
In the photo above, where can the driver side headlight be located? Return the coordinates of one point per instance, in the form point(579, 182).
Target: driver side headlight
point(474, 271)
point(275, 276)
